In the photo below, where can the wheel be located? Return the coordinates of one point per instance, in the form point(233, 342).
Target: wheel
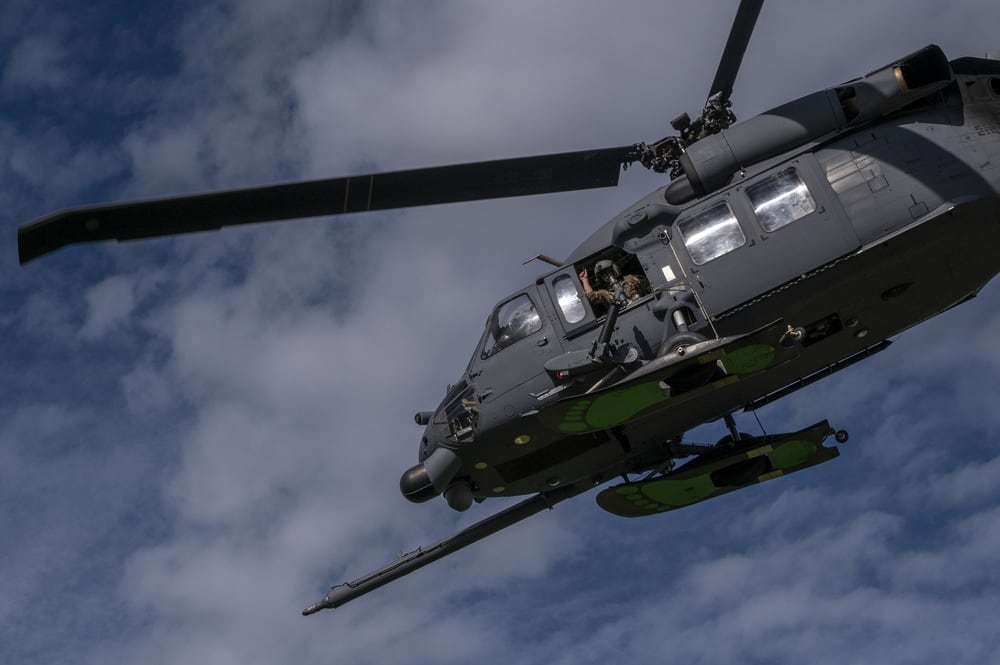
point(692, 377)
point(841, 436)
point(679, 341)
point(793, 337)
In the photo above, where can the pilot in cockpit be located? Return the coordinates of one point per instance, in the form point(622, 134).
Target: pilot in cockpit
point(520, 325)
point(513, 320)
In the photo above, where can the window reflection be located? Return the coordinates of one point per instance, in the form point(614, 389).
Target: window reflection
point(512, 321)
point(568, 298)
point(711, 233)
point(780, 200)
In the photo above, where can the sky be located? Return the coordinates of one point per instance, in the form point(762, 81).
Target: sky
point(199, 436)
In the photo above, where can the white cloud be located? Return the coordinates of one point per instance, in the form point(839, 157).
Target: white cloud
point(39, 63)
point(968, 484)
point(245, 416)
point(110, 303)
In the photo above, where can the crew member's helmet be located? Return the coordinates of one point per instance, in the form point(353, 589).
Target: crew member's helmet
point(606, 266)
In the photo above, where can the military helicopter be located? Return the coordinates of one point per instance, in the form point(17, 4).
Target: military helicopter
point(785, 248)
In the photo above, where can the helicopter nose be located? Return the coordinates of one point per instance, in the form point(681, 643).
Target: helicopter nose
point(431, 477)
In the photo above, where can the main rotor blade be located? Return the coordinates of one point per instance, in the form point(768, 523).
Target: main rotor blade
point(736, 46)
point(560, 172)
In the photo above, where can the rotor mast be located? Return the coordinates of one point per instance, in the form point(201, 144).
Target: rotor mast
point(664, 155)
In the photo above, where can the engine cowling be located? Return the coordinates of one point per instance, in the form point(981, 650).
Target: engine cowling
point(710, 162)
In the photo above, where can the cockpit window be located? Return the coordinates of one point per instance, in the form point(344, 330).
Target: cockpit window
point(512, 321)
point(780, 200)
point(711, 233)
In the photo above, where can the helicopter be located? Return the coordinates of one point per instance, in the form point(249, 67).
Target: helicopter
point(785, 248)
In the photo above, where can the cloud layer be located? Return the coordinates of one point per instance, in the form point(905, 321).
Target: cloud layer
point(198, 436)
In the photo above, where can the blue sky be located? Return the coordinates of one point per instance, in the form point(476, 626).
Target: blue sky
point(199, 436)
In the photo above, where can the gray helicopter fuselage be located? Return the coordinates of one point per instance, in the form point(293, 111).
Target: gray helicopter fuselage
point(853, 237)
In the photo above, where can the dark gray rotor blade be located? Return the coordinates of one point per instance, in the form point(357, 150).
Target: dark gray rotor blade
point(736, 46)
point(587, 169)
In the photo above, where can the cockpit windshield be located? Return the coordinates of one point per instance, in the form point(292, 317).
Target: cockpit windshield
point(512, 321)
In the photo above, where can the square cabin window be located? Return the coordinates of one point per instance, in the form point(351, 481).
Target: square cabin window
point(711, 233)
point(780, 200)
point(569, 299)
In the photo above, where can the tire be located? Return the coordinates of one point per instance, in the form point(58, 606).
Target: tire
point(690, 378)
point(679, 340)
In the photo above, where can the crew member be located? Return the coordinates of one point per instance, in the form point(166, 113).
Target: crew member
point(605, 272)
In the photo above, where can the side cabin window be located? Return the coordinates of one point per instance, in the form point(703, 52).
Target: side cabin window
point(780, 200)
point(512, 321)
point(568, 298)
point(711, 233)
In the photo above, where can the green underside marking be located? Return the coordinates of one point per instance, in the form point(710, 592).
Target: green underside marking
point(618, 406)
point(749, 359)
point(787, 453)
point(667, 493)
point(792, 453)
point(573, 419)
point(573, 428)
point(677, 493)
